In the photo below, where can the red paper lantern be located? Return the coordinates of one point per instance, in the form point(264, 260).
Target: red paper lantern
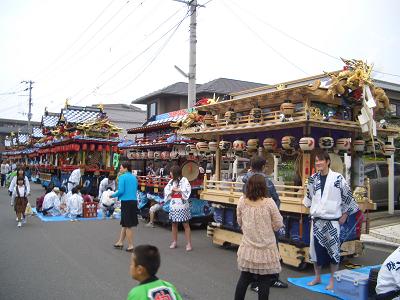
point(108, 148)
point(84, 147)
point(100, 148)
point(77, 147)
point(92, 147)
point(115, 149)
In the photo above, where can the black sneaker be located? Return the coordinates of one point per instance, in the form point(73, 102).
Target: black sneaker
point(279, 284)
point(254, 288)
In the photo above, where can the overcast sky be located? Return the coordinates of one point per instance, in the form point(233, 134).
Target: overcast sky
point(104, 51)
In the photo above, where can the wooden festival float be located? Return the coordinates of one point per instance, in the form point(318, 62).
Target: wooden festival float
point(340, 112)
point(160, 146)
point(78, 136)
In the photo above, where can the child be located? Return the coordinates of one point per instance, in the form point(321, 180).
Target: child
point(85, 195)
point(145, 262)
point(20, 199)
point(107, 203)
point(74, 206)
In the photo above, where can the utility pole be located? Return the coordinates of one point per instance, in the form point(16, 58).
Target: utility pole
point(30, 82)
point(192, 51)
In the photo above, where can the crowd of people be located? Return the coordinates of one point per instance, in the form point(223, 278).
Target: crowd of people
point(327, 195)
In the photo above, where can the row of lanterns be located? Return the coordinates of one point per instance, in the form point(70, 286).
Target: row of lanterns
point(287, 108)
point(77, 147)
point(269, 144)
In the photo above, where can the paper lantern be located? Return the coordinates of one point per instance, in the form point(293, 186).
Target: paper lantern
point(174, 154)
point(108, 148)
point(190, 148)
point(92, 147)
point(209, 119)
point(287, 108)
point(100, 148)
point(230, 116)
point(84, 147)
point(212, 146)
point(326, 142)
point(388, 149)
point(202, 146)
point(165, 155)
point(157, 154)
point(270, 144)
point(256, 114)
point(239, 145)
point(307, 143)
point(343, 144)
point(115, 149)
point(76, 147)
point(252, 144)
point(225, 145)
point(288, 142)
point(359, 145)
point(150, 154)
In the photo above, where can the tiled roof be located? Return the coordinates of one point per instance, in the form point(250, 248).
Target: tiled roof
point(50, 120)
point(37, 132)
point(224, 86)
point(75, 114)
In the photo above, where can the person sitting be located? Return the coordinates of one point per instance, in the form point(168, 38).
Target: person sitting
point(74, 206)
point(106, 183)
point(63, 200)
point(145, 261)
point(155, 206)
point(39, 200)
point(86, 196)
point(107, 203)
point(51, 203)
point(388, 282)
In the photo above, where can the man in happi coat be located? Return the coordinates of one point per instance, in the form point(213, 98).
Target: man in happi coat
point(75, 178)
point(331, 201)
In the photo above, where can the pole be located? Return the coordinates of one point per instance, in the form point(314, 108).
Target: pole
point(390, 162)
point(30, 82)
point(30, 108)
point(192, 55)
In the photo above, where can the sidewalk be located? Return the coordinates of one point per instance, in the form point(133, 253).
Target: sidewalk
point(384, 229)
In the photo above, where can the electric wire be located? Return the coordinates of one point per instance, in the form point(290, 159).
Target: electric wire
point(77, 39)
point(264, 41)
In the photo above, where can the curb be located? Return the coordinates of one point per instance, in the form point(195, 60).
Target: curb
point(367, 239)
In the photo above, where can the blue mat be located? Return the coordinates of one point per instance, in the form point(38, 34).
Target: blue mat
point(320, 288)
point(64, 219)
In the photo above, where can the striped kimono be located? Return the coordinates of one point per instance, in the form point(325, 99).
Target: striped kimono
point(326, 209)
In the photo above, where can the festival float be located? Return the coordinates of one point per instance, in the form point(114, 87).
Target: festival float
point(161, 147)
point(342, 112)
point(77, 136)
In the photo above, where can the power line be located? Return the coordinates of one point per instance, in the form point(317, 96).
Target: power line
point(264, 41)
point(66, 62)
point(151, 60)
point(77, 39)
point(299, 41)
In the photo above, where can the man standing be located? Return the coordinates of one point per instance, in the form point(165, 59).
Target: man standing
point(257, 164)
point(106, 183)
point(75, 178)
point(331, 202)
point(5, 168)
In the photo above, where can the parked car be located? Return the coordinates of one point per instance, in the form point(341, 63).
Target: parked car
point(377, 172)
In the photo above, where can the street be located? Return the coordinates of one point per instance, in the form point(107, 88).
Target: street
point(76, 260)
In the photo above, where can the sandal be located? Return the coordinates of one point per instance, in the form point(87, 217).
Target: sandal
point(118, 246)
point(129, 250)
point(173, 245)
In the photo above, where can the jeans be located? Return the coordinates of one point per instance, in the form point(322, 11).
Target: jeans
point(263, 282)
point(3, 179)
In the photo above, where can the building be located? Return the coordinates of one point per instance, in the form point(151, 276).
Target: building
point(124, 116)
point(174, 97)
point(19, 127)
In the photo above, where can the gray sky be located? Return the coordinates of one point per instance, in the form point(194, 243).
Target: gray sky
point(104, 51)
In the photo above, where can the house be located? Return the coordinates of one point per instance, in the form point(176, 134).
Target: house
point(174, 97)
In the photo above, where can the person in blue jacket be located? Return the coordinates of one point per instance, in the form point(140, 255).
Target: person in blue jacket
point(127, 194)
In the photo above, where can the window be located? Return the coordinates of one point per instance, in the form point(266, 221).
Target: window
point(370, 172)
point(152, 109)
point(384, 170)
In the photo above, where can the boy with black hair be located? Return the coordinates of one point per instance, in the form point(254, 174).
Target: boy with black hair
point(145, 261)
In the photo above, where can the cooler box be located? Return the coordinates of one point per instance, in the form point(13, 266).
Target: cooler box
point(89, 210)
point(351, 285)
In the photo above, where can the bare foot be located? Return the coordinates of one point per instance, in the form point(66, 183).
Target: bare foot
point(314, 282)
point(329, 287)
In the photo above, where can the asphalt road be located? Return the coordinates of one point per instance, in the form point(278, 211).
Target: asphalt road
point(76, 260)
